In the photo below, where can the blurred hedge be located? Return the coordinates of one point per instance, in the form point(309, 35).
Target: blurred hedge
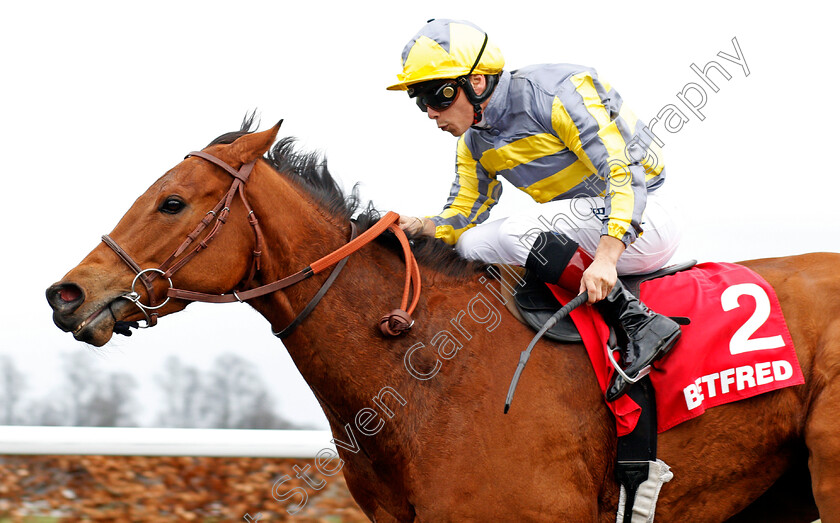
point(135, 489)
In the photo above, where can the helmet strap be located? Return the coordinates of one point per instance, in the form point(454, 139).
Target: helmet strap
point(464, 82)
point(475, 99)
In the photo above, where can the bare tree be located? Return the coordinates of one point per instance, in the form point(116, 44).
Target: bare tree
point(230, 384)
point(236, 397)
point(51, 410)
point(87, 397)
point(261, 414)
point(182, 390)
point(230, 395)
point(80, 384)
point(12, 386)
point(112, 402)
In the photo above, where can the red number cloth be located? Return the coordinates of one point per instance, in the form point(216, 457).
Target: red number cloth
point(737, 345)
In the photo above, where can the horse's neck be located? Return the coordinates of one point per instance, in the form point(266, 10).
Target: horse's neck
point(338, 348)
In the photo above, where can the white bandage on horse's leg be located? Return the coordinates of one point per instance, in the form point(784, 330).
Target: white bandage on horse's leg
point(644, 507)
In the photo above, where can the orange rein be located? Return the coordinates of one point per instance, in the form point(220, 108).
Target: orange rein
point(394, 323)
point(398, 320)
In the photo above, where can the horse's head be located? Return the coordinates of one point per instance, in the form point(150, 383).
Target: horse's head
point(100, 291)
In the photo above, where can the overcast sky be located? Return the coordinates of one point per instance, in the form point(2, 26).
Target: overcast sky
point(99, 99)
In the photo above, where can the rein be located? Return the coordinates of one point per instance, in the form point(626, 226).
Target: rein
point(394, 323)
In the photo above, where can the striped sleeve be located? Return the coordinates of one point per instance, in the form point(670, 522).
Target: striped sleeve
point(593, 126)
point(474, 192)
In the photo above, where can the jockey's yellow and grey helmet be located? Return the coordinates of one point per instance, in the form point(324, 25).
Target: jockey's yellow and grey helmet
point(449, 50)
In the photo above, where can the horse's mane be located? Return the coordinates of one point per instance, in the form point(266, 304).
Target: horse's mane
point(309, 171)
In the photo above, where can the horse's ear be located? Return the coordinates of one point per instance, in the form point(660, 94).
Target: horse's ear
point(254, 145)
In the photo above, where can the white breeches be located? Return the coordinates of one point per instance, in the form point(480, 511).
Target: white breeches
point(509, 240)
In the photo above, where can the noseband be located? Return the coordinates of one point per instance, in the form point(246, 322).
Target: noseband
point(394, 323)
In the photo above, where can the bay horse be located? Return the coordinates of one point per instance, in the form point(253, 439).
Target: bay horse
point(419, 423)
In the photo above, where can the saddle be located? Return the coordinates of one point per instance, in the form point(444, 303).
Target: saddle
point(532, 303)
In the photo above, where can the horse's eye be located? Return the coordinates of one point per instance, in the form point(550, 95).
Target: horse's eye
point(172, 206)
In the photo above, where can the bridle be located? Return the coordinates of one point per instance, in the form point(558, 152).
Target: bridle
point(394, 323)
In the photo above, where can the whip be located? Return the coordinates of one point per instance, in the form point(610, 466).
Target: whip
point(523, 357)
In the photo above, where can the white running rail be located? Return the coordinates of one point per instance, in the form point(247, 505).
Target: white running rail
point(130, 441)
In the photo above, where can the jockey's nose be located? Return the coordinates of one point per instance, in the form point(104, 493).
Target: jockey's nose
point(65, 297)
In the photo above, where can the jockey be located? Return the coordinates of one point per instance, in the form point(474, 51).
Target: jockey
point(564, 136)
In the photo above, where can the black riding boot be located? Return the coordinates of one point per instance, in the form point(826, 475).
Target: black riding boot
point(643, 335)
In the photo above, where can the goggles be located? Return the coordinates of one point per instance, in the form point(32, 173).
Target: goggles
point(437, 94)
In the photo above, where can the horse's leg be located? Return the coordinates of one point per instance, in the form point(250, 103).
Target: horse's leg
point(824, 445)
point(380, 515)
point(789, 500)
point(371, 500)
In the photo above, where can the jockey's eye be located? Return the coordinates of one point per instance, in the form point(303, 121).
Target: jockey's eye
point(172, 205)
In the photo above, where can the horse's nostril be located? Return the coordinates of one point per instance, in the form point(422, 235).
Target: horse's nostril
point(65, 297)
point(68, 294)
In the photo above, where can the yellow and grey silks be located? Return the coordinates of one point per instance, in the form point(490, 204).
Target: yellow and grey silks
point(555, 132)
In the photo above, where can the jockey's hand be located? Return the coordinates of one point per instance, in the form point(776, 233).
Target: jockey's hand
point(415, 226)
point(600, 277)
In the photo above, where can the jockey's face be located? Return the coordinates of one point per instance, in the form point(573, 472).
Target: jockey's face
point(458, 117)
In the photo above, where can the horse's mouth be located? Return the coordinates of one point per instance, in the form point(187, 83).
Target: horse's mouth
point(90, 320)
point(98, 327)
